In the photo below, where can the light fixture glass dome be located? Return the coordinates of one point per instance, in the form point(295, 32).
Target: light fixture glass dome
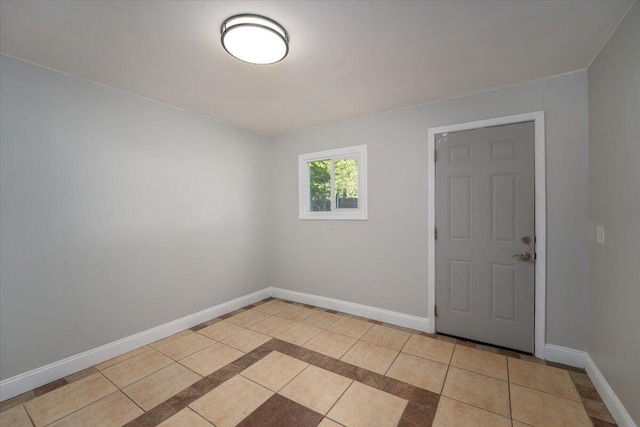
point(254, 39)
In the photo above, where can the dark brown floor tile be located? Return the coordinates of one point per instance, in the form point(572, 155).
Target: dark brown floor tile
point(184, 398)
point(233, 313)
point(225, 373)
point(198, 327)
point(588, 393)
point(332, 311)
point(16, 400)
point(566, 367)
point(247, 360)
point(346, 370)
point(375, 380)
point(154, 417)
point(399, 388)
point(419, 415)
point(581, 379)
point(49, 387)
point(260, 352)
point(283, 346)
point(80, 375)
point(597, 410)
point(309, 306)
point(206, 384)
point(599, 423)
point(279, 411)
point(405, 423)
point(317, 359)
point(507, 353)
point(467, 344)
point(377, 322)
point(425, 397)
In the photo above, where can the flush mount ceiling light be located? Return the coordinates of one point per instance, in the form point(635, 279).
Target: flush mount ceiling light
point(254, 39)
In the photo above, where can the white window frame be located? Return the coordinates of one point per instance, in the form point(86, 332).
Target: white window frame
point(359, 214)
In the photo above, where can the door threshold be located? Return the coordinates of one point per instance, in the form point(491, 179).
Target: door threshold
point(497, 347)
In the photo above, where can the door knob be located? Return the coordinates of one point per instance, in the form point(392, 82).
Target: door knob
point(524, 256)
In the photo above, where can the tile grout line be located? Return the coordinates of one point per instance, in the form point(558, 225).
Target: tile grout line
point(300, 322)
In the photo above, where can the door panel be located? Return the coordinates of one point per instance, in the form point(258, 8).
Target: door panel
point(484, 208)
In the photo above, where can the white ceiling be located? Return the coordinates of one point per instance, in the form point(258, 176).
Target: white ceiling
point(347, 59)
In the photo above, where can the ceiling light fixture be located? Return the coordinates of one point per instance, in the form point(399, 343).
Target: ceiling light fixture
point(255, 39)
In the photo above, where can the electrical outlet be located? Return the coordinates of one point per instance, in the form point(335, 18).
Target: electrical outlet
point(600, 234)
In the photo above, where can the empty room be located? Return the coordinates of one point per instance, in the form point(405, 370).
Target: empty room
point(320, 213)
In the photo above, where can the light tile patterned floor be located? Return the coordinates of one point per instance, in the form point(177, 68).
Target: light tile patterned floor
point(277, 363)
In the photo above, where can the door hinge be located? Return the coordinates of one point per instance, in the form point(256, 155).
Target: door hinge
point(435, 156)
point(435, 233)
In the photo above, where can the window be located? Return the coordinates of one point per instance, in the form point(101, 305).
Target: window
point(333, 184)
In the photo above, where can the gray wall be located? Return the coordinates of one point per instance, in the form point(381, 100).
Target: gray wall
point(614, 201)
point(382, 262)
point(118, 214)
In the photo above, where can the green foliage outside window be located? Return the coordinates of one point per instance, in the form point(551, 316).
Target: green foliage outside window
point(346, 184)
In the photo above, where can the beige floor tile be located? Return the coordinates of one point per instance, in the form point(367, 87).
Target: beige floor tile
point(137, 367)
point(231, 402)
point(184, 346)
point(248, 318)
point(186, 418)
point(121, 358)
point(272, 326)
point(478, 390)
point(370, 356)
point(316, 389)
point(544, 378)
point(331, 343)
point(160, 386)
point(326, 422)
point(519, 424)
point(429, 348)
point(61, 402)
point(15, 417)
point(296, 313)
point(366, 406)
point(274, 370)
point(481, 362)
point(273, 306)
point(420, 372)
point(113, 410)
point(171, 338)
point(452, 413)
point(299, 334)
point(321, 319)
point(220, 330)
point(246, 340)
point(211, 359)
point(386, 337)
point(352, 327)
point(542, 409)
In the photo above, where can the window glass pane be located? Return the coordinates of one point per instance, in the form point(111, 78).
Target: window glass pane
point(320, 185)
point(346, 181)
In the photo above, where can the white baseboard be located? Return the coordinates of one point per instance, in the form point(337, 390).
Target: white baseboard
point(615, 406)
point(564, 355)
point(380, 314)
point(40, 376)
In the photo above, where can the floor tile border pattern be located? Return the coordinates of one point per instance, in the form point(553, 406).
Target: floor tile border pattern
point(420, 401)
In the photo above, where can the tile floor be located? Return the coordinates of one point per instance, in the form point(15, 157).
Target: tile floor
point(277, 363)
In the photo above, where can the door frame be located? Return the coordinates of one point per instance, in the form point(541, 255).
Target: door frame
point(540, 212)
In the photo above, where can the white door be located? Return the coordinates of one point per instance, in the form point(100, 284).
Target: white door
point(485, 189)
